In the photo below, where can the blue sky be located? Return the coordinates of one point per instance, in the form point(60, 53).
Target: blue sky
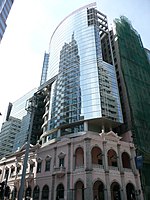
point(29, 28)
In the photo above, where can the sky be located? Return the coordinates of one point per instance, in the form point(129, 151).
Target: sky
point(30, 25)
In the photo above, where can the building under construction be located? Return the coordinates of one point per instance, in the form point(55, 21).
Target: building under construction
point(133, 75)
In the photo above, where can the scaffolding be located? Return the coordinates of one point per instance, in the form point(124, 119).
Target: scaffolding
point(135, 68)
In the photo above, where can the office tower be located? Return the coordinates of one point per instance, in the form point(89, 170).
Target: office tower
point(7, 135)
point(19, 111)
point(5, 6)
point(44, 68)
point(80, 157)
point(84, 94)
point(133, 74)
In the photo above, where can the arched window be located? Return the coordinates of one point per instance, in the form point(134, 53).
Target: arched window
point(115, 191)
point(28, 193)
point(126, 160)
point(79, 190)
point(112, 158)
point(96, 154)
point(98, 190)
point(60, 192)
point(79, 155)
point(36, 193)
point(45, 193)
point(130, 191)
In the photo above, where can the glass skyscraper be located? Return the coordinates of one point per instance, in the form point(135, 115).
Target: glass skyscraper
point(5, 6)
point(85, 88)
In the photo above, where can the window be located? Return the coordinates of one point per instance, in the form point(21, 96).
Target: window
point(18, 168)
point(61, 162)
point(6, 173)
point(47, 165)
point(12, 170)
point(39, 167)
point(31, 168)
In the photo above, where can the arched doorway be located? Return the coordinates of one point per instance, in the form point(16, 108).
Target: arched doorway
point(115, 191)
point(60, 192)
point(14, 193)
point(36, 193)
point(130, 191)
point(79, 190)
point(79, 155)
point(98, 190)
point(28, 193)
point(112, 158)
point(126, 160)
point(7, 192)
point(96, 155)
point(45, 193)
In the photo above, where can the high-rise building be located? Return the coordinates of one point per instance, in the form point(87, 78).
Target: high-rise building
point(16, 110)
point(83, 94)
point(135, 68)
point(5, 6)
point(19, 111)
point(133, 74)
point(7, 135)
point(77, 106)
point(44, 68)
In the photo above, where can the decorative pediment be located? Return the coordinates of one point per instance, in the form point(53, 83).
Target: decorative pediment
point(61, 155)
point(12, 167)
point(31, 162)
point(110, 136)
point(25, 146)
point(39, 159)
point(48, 157)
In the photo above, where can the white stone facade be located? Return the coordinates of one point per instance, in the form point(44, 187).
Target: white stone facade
point(87, 167)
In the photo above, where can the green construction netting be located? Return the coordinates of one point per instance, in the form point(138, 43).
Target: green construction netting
point(136, 72)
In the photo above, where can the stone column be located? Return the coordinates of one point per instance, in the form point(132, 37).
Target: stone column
point(88, 192)
point(87, 154)
point(53, 186)
point(105, 159)
point(53, 175)
point(106, 169)
point(123, 187)
point(69, 191)
point(55, 154)
point(119, 159)
point(108, 193)
point(123, 190)
point(85, 126)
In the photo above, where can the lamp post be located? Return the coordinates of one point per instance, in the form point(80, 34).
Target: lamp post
point(31, 105)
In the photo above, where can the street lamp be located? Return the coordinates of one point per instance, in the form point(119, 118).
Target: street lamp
point(31, 106)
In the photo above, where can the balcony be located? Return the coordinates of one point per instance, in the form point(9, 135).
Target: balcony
point(30, 175)
point(60, 171)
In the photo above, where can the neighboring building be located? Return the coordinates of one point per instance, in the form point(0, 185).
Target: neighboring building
point(7, 135)
point(148, 54)
point(44, 69)
point(135, 68)
point(81, 91)
point(5, 6)
point(87, 166)
point(19, 111)
point(133, 74)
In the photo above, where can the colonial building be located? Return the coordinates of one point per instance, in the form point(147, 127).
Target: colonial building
point(87, 165)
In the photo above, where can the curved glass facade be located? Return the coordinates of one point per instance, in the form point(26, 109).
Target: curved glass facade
point(86, 86)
